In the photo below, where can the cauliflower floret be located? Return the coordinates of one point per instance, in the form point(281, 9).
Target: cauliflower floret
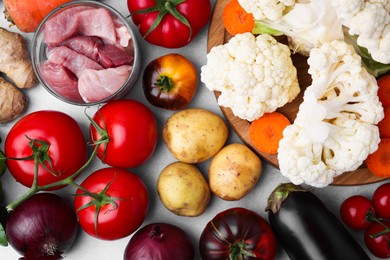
point(266, 9)
point(335, 129)
point(255, 75)
point(369, 20)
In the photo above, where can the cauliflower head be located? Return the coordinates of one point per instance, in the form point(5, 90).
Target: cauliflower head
point(369, 20)
point(335, 129)
point(266, 9)
point(255, 75)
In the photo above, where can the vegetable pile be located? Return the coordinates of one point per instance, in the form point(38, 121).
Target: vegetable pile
point(336, 129)
point(342, 123)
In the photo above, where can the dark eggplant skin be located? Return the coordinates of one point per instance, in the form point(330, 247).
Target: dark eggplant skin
point(306, 229)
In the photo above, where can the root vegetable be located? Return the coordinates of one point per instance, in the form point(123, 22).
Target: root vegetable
point(27, 14)
point(12, 101)
point(194, 135)
point(183, 189)
point(14, 59)
point(234, 172)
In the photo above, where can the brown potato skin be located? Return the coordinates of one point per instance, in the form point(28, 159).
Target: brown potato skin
point(183, 189)
point(194, 135)
point(234, 172)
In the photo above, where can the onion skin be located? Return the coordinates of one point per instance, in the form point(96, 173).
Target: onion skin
point(42, 227)
point(160, 241)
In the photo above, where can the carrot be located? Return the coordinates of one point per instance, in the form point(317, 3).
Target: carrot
point(266, 132)
point(384, 90)
point(379, 161)
point(28, 14)
point(236, 20)
point(384, 125)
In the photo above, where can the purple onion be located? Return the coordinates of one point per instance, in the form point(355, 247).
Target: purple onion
point(42, 227)
point(160, 241)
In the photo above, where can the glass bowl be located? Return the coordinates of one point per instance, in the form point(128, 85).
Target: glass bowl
point(85, 53)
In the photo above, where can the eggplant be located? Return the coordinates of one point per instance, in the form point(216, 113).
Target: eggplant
point(306, 229)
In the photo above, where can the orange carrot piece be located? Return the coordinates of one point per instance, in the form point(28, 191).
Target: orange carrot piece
point(384, 90)
point(28, 14)
point(384, 125)
point(379, 162)
point(266, 132)
point(236, 20)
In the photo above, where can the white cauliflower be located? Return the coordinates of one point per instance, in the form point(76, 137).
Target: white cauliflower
point(267, 9)
point(307, 23)
point(369, 20)
point(335, 129)
point(255, 75)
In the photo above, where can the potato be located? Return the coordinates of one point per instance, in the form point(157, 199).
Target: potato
point(234, 172)
point(194, 135)
point(183, 189)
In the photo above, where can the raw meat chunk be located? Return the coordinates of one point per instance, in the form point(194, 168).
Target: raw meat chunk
point(61, 80)
point(106, 55)
point(78, 20)
point(86, 45)
point(122, 32)
point(95, 85)
point(72, 60)
point(62, 26)
point(114, 56)
point(97, 22)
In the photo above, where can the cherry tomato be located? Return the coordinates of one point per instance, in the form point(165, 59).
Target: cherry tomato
point(169, 23)
point(123, 207)
point(67, 150)
point(378, 246)
point(170, 81)
point(132, 131)
point(381, 201)
point(354, 212)
point(237, 233)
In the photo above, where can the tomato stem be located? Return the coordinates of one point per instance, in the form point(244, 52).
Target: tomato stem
point(370, 217)
point(164, 7)
point(237, 251)
point(40, 156)
point(165, 83)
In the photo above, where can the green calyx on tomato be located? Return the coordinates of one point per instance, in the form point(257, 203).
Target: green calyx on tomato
point(98, 201)
point(39, 153)
point(165, 83)
point(237, 251)
point(163, 7)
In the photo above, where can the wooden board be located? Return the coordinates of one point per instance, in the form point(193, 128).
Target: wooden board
point(217, 35)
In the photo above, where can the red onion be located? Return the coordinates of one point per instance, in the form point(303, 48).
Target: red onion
point(160, 241)
point(42, 227)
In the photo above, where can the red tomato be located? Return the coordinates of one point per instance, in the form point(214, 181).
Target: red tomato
point(126, 190)
point(354, 211)
point(180, 23)
point(67, 150)
point(237, 233)
point(381, 200)
point(378, 246)
point(132, 132)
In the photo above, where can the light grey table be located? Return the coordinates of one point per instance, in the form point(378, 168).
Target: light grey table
point(89, 248)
